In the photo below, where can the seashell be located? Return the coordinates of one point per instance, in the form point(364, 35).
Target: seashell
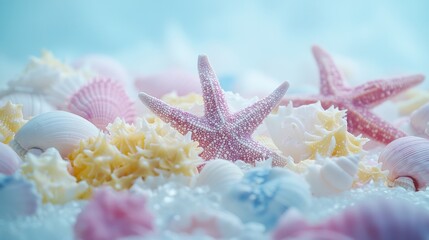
point(17, 197)
point(41, 73)
point(310, 130)
point(218, 175)
point(101, 102)
point(114, 215)
point(52, 180)
point(217, 224)
point(330, 176)
point(419, 120)
point(162, 83)
point(11, 120)
point(407, 157)
point(61, 92)
point(264, 194)
point(32, 104)
point(58, 129)
point(102, 66)
point(9, 160)
point(381, 219)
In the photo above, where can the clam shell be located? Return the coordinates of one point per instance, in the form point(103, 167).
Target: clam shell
point(218, 175)
point(407, 157)
point(419, 120)
point(58, 129)
point(33, 104)
point(264, 194)
point(333, 175)
point(9, 160)
point(381, 219)
point(61, 92)
point(17, 197)
point(101, 102)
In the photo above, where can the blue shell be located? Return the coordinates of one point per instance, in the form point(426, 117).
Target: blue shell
point(264, 194)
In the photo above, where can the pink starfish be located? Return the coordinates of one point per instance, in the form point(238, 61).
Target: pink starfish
point(357, 100)
point(221, 133)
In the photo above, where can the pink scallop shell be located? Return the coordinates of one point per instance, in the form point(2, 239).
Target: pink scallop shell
point(381, 219)
point(113, 215)
point(407, 157)
point(9, 160)
point(101, 102)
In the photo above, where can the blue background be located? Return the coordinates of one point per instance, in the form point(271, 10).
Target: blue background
point(369, 39)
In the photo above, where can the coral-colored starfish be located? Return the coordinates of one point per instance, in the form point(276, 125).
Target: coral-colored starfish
point(357, 100)
point(221, 134)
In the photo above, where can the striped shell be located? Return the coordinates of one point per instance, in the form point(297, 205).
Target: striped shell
point(332, 175)
point(407, 160)
point(17, 197)
point(9, 160)
point(264, 194)
point(381, 219)
point(218, 175)
point(101, 102)
point(32, 104)
point(58, 129)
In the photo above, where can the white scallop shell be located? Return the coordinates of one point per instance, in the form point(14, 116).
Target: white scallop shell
point(9, 160)
point(332, 175)
point(218, 174)
point(407, 157)
point(17, 197)
point(419, 120)
point(61, 92)
point(58, 129)
point(101, 102)
point(33, 104)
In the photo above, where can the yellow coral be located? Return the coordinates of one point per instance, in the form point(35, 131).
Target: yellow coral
point(332, 138)
point(134, 151)
point(158, 143)
point(11, 120)
point(367, 173)
point(52, 180)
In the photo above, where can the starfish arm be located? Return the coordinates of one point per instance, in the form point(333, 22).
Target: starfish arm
point(183, 122)
point(376, 92)
point(331, 81)
point(299, 100)
point(247, 120)
point(361, 120)
point(251, 151)
point(215, 105)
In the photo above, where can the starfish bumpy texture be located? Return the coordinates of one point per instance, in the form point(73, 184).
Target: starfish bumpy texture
point(219, 132)
point(357, 100)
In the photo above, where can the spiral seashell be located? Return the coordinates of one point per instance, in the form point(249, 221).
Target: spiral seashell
point(58, 129)
point(17, 197)
point(9, 160)
point(419, 120)
point(11, 120)
point(381, 219)
point(407, 157)
point(218, 175)
point(101, 102)
point(264, 194)
point(32, 104)
point(330, 176)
